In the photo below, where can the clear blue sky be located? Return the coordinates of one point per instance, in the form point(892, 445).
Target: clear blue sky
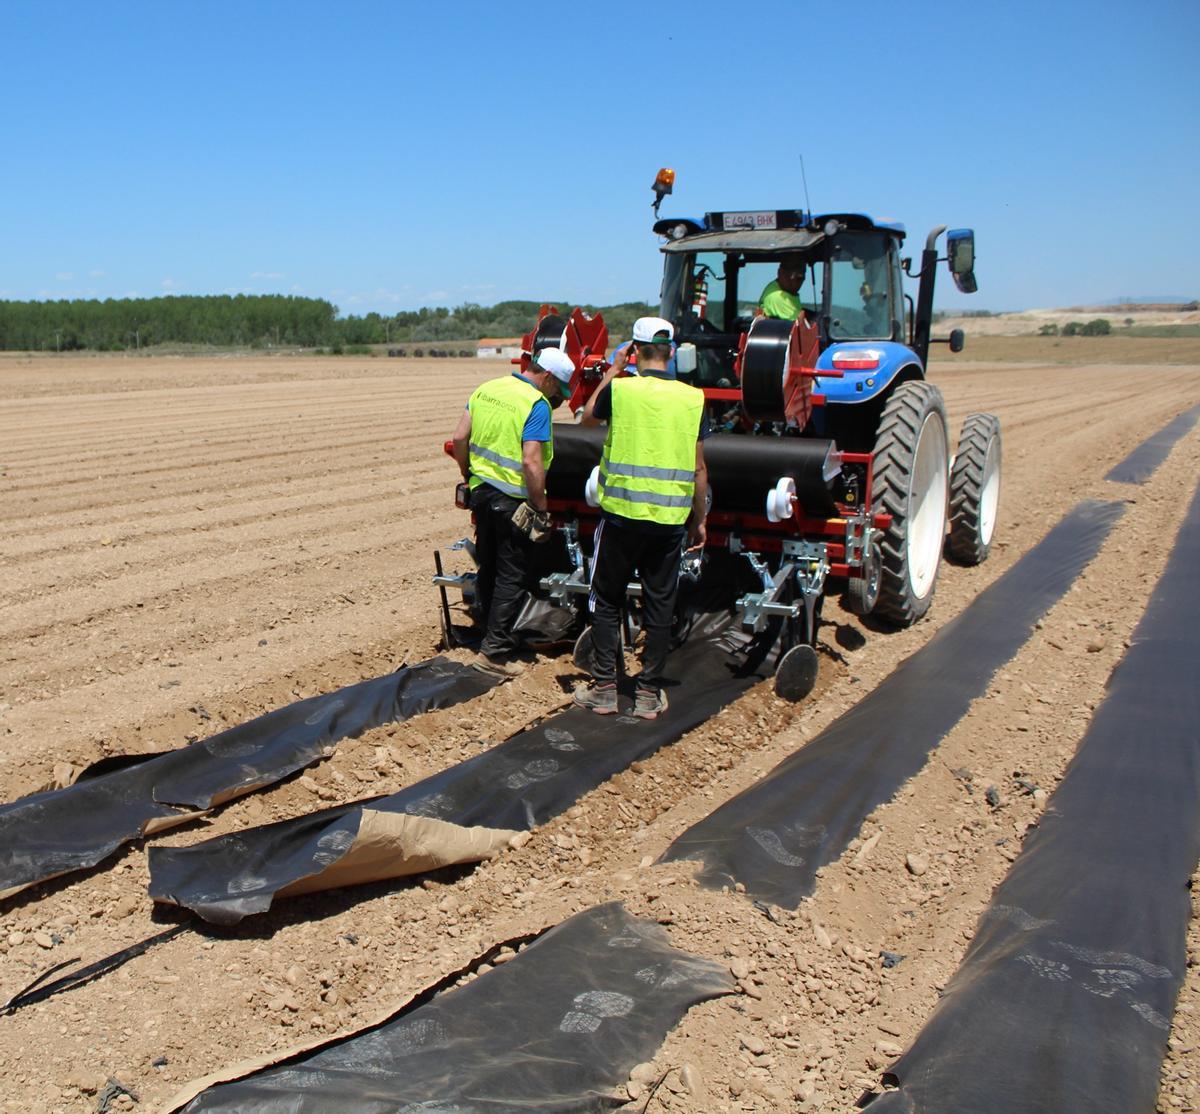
point(392, 155)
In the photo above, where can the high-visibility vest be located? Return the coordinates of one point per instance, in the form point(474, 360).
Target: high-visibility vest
point(648, 469)
point(499, 409)
point(777, 302)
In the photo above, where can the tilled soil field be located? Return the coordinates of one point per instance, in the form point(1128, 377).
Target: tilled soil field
point(189, 542)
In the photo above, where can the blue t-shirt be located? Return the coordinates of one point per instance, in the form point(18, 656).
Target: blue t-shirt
point(537, 425)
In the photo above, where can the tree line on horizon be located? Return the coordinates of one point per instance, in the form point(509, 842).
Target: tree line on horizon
point(263, 321)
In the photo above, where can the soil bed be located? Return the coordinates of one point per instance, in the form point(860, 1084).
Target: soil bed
point(189, 542)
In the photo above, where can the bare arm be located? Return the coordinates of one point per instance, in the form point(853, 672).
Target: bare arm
point(535, 474)
point(462, 444)
point(697, 533)
point(618, 366)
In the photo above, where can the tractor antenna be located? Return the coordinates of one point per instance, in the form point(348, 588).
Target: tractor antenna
point(804, 179)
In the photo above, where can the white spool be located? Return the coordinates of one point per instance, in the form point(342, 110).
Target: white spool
point(591, 489)
point(780, 499)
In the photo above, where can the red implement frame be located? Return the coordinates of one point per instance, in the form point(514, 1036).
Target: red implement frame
point(586, 343)
point(758, 532)
point(586, 339)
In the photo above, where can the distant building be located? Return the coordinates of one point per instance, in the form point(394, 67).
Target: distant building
point(508, 348)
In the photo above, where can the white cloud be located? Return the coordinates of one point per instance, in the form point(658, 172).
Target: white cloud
point(63, 295)
point(96, 273)
point(65, 276)
point(380, 296)
point(170, 283)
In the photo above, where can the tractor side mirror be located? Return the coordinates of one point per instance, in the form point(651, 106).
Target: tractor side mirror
point(957, 340)
point(960, 250)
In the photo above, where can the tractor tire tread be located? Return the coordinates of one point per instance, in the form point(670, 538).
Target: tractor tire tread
point(895, 449)
point(965, 546)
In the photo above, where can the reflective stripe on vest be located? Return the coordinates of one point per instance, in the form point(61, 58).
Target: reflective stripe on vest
point(648, 469)
point(499, 409)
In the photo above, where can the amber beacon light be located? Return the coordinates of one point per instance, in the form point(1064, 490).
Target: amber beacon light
point(664, 181)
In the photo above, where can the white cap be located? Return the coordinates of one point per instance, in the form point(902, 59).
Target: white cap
point(556, 362)
point(649, 330)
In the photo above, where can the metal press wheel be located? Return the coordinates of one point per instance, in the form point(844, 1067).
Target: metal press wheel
point(582, 654)
point(862, 592)
point(796, 673)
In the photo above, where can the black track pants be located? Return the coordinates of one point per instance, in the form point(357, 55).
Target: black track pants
point(620, 552)
point(506, 568)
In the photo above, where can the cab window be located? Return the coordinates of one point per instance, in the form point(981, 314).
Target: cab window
point(704, 294)
point(860, 288)
point(755, 276)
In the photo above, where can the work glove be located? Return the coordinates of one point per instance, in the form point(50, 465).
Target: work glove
point(535, 525)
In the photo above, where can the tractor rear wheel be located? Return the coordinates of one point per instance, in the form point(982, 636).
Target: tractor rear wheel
point(911, 484)
point(975, 489)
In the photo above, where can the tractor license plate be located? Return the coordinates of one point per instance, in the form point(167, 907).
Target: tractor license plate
point(760, 221)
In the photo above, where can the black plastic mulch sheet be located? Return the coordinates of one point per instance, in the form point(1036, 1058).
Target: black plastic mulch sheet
point(1064, 999)
point(516, 785)
point(53, 833)
point(554, 1029)
point(1141, 464)
point(774, 836)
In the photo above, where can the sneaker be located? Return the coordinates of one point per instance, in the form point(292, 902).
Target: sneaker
point(598, 698)
point(496, 668)
point(649, 703)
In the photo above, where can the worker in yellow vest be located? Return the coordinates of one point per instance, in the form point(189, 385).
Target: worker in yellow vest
point(653, 502)
point(781, 297)
point(503, 445)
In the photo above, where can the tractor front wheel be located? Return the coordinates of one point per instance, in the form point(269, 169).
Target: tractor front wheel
point(975, 489)
point(911, 484)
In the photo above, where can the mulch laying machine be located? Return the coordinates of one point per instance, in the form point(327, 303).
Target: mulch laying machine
point(829, 464)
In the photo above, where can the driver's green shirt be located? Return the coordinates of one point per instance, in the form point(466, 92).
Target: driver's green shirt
point(777, 302)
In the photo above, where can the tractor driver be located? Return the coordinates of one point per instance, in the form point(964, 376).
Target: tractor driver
point(653, 494)
point(781, 298)
point(503, 446)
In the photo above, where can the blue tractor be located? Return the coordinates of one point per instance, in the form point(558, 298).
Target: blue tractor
point(852, 370)
point(829, 464)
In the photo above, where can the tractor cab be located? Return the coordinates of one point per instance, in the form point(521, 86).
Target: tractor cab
point(716, 272)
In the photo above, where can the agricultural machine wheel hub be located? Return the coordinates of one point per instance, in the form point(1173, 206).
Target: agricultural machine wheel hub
point(929, 493)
